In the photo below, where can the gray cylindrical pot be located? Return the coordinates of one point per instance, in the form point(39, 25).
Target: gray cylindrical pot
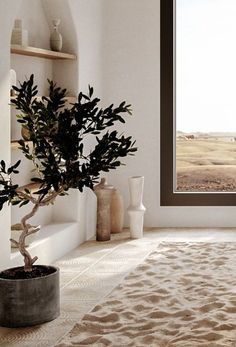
point(26, 302)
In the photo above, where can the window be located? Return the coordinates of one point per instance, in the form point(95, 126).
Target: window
point(198, 103)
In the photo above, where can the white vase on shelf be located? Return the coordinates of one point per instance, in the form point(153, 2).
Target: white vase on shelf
point(19, 36)
point(136, 209)
point(56, 38)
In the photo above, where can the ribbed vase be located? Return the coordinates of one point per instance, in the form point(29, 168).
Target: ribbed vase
point(103, 192)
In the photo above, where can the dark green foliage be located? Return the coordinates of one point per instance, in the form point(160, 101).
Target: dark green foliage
point(8, 190)
point(59, 134)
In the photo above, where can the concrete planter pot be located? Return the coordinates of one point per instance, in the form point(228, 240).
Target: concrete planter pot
point(27, 302)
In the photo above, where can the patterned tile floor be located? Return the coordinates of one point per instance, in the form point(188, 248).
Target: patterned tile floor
point(92, 270)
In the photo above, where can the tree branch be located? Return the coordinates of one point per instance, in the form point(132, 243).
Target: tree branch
point(51, 197)
point(32, 231)
point(27, 257)
point(15, 242)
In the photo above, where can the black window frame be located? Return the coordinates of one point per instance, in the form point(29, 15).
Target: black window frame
point(168, 196)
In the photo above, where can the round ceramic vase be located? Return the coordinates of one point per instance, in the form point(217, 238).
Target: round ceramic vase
point(56, 38)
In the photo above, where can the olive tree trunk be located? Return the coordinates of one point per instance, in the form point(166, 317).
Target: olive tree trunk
point(26, 231)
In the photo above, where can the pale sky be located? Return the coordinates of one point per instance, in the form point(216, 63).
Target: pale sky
point(206, 65)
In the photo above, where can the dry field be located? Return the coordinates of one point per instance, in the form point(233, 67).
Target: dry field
point(206, 165)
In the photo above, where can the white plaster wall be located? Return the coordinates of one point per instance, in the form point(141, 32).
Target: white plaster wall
point(41, 68)
point(131, 71)
point(88, 18)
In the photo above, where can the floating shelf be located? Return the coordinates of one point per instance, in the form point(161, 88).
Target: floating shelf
point(15, 144)
point(70, 99)
point(41, 53)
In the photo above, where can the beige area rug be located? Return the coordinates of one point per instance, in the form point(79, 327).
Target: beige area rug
point(183, 294)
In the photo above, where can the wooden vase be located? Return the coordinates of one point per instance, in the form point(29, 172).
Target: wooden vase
point(103, 192)
point(117, 212)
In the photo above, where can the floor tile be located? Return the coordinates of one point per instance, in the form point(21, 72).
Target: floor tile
point(72, 265)
point(112, 266)
point(76, 309)
point(34, 343)
point(49, 331)
point(67, 277)
point(91, 279)
point(77, 293)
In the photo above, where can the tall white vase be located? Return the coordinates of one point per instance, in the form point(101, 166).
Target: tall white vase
point(136, 209)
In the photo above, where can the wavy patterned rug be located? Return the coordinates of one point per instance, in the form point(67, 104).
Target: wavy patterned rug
point(182, 295)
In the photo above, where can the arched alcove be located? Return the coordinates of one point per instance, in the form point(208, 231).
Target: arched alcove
point(61, 222)
point(81, 27)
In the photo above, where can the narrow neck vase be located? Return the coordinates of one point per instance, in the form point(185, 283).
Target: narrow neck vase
point(136, 209)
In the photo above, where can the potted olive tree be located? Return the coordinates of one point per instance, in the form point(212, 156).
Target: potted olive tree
point(57, 135)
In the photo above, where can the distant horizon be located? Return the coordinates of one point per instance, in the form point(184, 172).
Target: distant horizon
point(206, 132)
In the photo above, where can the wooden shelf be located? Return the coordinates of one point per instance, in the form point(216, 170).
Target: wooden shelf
point(15, 144)
point(41, 53)
point(70, 99)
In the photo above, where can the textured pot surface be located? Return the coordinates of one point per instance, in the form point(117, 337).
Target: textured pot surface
point(103, 192)
point(26, 302)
